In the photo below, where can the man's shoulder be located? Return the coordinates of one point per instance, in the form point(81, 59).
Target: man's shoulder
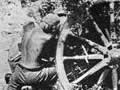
point(38, 33)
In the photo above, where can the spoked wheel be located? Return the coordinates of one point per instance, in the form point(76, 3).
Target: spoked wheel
point(106, 59)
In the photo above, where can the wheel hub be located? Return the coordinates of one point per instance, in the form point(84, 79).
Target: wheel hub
point(114, 54)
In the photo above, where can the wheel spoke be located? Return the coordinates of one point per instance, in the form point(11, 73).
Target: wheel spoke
point(90, 57)
point(115, 78)
point(108, 34)
point(91, 43)
point(95, 45)
point(97, 67)
point(102, 77)
point(103, 38)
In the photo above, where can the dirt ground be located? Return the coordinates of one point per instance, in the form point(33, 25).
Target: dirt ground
point(12, 18)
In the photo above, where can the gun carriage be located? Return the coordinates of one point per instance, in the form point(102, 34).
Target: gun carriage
point(88, 55)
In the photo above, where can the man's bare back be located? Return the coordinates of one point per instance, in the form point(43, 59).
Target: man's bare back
point(34, 40)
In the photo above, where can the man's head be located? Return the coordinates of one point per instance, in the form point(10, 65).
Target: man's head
point(62, 14)
point(52, 21)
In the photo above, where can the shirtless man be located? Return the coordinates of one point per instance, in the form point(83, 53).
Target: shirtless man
point(33, 69)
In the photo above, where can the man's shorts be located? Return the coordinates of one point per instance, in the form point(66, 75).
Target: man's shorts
point(40, 78)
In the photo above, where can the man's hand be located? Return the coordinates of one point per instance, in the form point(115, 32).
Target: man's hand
point(52, 59)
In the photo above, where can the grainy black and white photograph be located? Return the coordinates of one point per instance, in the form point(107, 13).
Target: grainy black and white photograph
point(59, 44)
